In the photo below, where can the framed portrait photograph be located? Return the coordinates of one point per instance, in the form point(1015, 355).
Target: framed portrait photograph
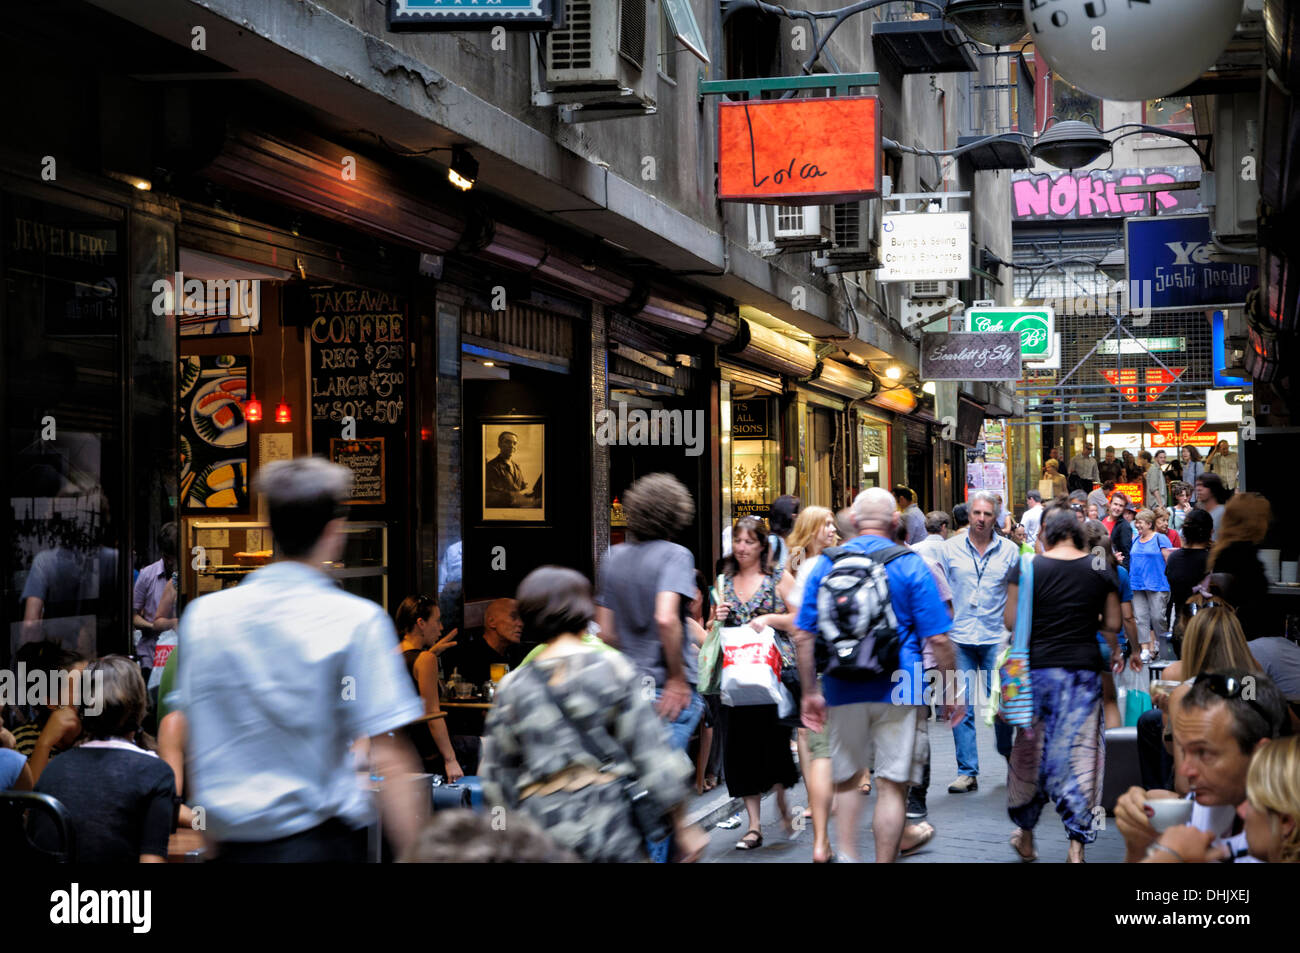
point(514, 458)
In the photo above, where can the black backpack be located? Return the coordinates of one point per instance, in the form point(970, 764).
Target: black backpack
point(857, 632)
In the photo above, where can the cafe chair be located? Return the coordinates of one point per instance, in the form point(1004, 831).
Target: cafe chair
point(1123, 769)
point(450, 797)
point(18, 809)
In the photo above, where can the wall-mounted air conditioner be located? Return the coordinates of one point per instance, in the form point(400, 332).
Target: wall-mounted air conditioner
point(796, 223)
point(604, 57)
point(855, 231)
point(931, 290)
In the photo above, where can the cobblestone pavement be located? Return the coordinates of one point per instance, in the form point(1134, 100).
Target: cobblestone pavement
point(969, 828)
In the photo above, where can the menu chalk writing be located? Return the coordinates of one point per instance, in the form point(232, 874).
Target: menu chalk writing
point(365, 458)
point(358, 348)
point(357, 381)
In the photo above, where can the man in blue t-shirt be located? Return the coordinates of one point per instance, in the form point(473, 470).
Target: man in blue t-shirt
point(873, 724)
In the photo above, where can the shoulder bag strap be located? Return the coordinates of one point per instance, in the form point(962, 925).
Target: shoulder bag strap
point(889, 554)
point(606, 757)
point(1025, 603)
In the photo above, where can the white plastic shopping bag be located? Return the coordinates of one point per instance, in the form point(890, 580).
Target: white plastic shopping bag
point(751, 667)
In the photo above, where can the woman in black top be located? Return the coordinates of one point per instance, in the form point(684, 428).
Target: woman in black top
point(1234, 564)
point(418, 620)
point(1186, 568)
point(121, 798)
point(757, 757)
point(1061, 759)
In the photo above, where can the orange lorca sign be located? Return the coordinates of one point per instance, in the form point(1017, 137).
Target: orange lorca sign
point(799, 151)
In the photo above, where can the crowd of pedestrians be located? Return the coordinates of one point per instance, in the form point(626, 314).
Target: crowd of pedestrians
point(861, 626)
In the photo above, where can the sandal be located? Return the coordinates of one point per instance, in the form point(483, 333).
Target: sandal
point(1016, 839)
point(746, 844)
point(865, 787)
point(710, 783)
point(926, 836)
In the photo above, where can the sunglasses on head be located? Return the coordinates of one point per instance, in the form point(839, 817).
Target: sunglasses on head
point(1227, 687)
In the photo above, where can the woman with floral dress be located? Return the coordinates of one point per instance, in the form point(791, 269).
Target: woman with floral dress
point(757, 757)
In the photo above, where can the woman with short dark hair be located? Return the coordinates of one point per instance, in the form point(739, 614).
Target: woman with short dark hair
point(1211, 495)
point(1060, 759)
point(569, 728)
point(122, 798)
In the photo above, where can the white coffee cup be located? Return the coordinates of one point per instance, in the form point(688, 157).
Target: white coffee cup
point(1289, 571)
point(1169, 812)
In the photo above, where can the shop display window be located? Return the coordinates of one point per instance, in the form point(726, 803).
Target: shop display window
point(873, 452)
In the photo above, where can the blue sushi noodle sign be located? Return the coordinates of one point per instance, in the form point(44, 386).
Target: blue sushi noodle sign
point(1175, 254)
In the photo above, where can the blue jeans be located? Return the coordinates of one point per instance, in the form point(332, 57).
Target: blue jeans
point(981, 658)
point(679, 735)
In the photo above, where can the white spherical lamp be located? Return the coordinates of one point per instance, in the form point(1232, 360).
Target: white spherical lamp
point(1126, 51)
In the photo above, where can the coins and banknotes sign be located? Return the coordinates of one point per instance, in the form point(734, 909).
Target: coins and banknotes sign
point(925, 246)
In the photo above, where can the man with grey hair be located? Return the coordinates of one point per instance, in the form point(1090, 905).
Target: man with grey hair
point(874, 723)
point(281, 676)
point(936, 530)
point(978, 565)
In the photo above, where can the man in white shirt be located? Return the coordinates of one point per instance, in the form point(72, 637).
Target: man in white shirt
point(280, 676)
point(1153, 480)
point(936, 529)
point(1223, 462)
point(1084, 465)
point(977, 565)
point(1032, 520)
point(1219, 721)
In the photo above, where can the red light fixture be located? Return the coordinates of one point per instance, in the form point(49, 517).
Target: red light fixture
point(253, 410)
point(282, 413)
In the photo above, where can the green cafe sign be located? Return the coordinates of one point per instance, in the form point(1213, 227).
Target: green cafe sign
point(1037, 327)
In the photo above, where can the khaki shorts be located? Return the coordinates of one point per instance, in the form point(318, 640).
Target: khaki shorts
point(819, 744)
point(879, 736)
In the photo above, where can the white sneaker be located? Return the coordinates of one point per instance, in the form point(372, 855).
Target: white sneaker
point(731, 823)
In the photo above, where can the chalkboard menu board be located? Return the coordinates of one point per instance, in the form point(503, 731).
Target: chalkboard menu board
point(357, 370)
point(365, 458)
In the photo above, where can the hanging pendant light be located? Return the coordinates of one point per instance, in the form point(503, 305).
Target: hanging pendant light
point(253, 409)
point(992, 22)
point(282, 413)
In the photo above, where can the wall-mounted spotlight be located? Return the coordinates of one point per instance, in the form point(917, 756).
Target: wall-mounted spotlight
point(464, 169)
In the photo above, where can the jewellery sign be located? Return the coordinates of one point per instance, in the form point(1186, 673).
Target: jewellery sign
point(799, 151)
point(961, 356)
point(925, 246)
point(1036, 327)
